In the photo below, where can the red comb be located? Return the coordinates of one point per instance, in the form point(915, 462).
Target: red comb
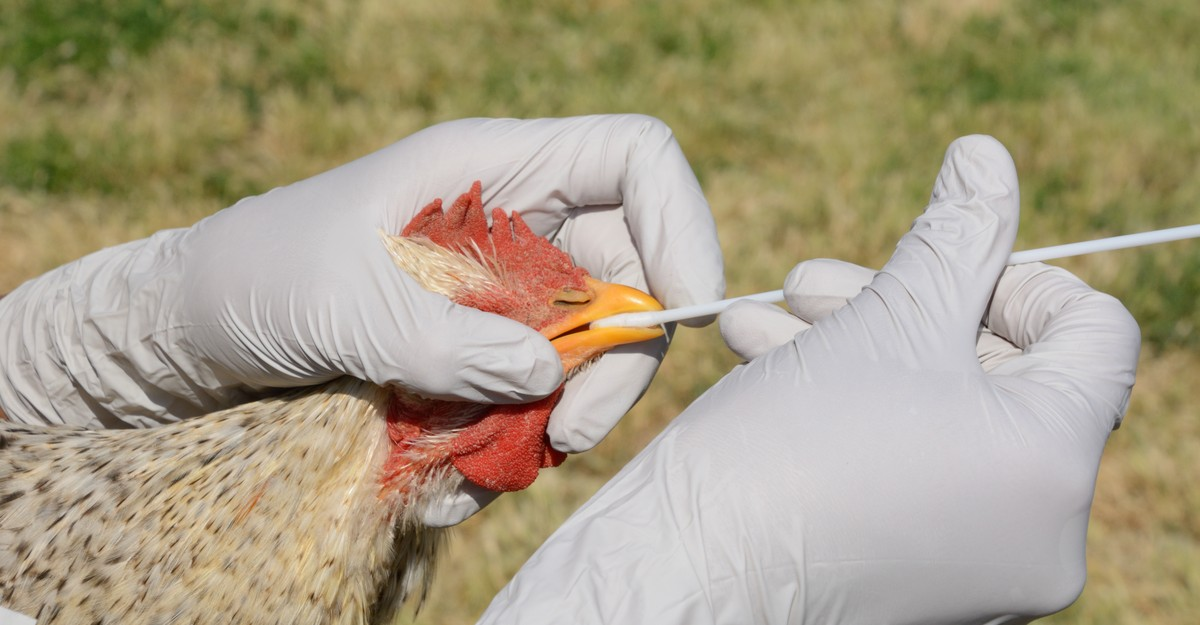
point(527, 257)
point(460, 228)
point(503, 450)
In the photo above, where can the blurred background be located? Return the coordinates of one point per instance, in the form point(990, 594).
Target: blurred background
point(816, 129)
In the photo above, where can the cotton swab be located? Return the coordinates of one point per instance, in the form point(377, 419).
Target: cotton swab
point(644, 319)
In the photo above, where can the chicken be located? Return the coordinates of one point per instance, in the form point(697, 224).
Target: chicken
point(303, 508)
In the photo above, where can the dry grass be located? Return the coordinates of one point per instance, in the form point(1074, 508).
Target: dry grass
point(815, 128)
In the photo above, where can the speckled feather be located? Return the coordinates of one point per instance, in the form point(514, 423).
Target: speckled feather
point(267, 513)
point(299, 509)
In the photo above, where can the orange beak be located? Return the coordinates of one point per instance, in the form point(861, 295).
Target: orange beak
point(577, 343)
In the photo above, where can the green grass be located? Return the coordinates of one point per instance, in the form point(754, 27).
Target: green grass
point(815, 128)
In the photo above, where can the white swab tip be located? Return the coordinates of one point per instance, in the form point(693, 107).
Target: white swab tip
point(623, 320)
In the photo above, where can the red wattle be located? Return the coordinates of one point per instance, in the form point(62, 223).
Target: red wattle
point(505, 449)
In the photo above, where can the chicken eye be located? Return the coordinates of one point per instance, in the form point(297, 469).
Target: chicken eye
point(571, 297)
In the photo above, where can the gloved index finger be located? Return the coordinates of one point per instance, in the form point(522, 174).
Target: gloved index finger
point(408, 336)
point(547, 167)
point(937, 284)
point(671, 221)
point(593, 401)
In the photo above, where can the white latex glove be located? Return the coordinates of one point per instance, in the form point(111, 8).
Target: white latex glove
point(8, 617)
point(293, 287)
point(814, 289)
point(869, 470)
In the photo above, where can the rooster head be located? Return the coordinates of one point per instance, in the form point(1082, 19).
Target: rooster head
point(508, 270)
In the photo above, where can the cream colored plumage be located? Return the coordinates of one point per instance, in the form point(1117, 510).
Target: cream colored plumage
point(300, 509)
point(217, 521)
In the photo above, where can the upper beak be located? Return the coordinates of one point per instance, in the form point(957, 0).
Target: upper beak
point(576, 342)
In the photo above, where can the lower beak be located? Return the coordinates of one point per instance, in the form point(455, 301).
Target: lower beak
point(577, 343)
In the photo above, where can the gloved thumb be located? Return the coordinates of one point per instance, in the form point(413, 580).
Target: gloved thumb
point(427, 344)
point(751, 329)
point(813, 289)
point(934, 290)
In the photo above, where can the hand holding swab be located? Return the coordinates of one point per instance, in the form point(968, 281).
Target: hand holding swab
point(643, 319)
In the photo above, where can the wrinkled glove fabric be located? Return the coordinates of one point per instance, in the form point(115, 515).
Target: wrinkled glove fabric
point(864, 466)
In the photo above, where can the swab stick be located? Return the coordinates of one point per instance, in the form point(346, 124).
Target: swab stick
point(643, 319)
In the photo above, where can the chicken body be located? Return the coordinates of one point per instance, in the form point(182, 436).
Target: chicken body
point(267, 513)
point(304, 508)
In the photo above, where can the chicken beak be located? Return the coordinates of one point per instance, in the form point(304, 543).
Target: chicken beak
point(576, 342)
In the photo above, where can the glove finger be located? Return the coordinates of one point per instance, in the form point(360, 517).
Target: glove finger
point(598, 239)
point(751, 329)
point(458, 506)
point(547, 167)
point(1077, 342)
point(814, 289)
point(595, 399)
point(935, 288)
point(424, 342)
point(343, 307)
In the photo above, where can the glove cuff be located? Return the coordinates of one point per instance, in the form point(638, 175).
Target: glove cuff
point(78, 344)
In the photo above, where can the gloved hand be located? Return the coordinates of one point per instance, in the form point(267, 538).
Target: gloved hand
point(815, 289)
point(293, 287)
point(869, 470)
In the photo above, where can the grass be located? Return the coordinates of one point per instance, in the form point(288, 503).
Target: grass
point(815, 128)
